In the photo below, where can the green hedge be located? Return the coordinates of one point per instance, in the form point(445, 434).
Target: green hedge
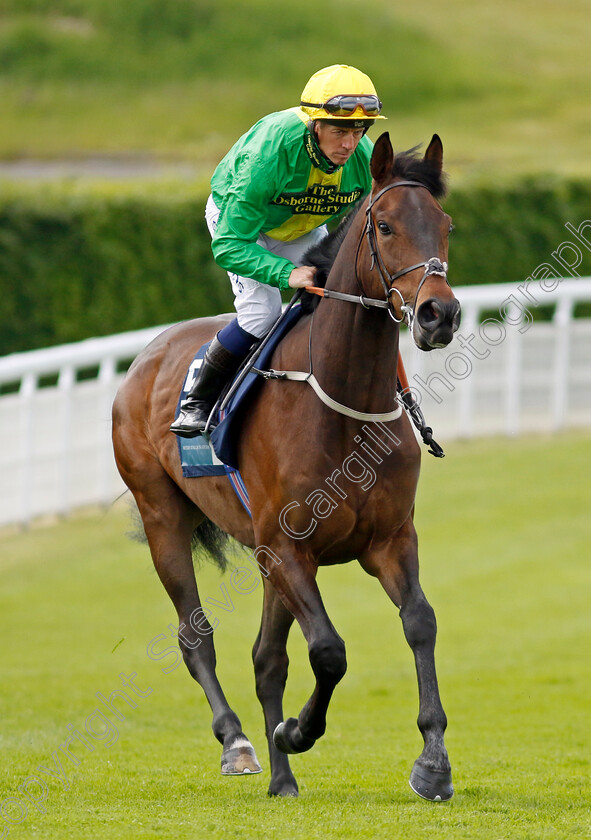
point(75, 266)
point(503, 233)
point(75, 263)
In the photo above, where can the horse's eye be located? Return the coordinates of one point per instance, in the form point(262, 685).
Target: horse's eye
point(451, 228)
point(383, 228)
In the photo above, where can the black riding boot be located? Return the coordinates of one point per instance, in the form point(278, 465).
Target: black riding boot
point(218, 365)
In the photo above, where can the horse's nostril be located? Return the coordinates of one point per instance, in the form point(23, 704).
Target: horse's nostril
point(429, 314)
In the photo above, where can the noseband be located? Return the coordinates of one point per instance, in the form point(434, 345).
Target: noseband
point(432, 266)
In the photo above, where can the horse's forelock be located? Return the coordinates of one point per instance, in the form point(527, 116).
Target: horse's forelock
point(411, 166)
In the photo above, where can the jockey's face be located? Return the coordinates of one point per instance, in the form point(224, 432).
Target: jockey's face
point(338, 144)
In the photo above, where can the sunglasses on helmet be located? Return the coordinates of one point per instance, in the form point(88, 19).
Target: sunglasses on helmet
point(345, 105)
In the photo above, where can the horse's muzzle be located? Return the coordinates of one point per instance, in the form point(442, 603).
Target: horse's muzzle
point(435, 322)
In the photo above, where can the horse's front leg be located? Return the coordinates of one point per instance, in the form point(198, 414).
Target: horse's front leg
point(294, 580)
point(396, 566)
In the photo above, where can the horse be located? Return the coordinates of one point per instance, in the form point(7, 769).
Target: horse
point(389, 264)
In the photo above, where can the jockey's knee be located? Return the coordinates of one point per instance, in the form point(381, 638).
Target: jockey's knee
point(258, 320)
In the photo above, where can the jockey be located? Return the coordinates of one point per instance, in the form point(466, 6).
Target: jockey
point(271, 198)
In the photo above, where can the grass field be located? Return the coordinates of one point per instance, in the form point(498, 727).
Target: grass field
point(507, 85)
point(504, 535)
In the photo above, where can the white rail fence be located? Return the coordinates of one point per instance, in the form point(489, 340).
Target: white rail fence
point(502, 374)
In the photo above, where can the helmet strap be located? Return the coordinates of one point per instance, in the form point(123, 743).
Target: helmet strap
point(315, 153)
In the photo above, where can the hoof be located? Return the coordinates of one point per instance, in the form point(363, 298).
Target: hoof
point(289, 788)
point(434, 785)
point(240, 759)
point(288, 738)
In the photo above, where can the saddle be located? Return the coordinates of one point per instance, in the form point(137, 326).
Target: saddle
point(214, 452)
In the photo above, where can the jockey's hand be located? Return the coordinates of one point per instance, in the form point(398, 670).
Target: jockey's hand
point(302, 277)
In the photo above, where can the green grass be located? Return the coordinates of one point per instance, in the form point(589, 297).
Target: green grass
point(507, 85)
point(504, 539)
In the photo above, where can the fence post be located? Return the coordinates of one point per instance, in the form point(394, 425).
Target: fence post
point(513, 369)
point(107, 373)
point(562, 321)
point(27, 393)
point(66, 381)
point(466, 393)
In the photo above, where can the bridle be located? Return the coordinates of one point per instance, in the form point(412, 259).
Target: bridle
point(432, 266)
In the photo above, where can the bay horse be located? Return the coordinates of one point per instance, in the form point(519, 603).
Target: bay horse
point(310, 504)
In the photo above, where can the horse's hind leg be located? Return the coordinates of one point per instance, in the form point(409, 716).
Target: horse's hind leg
point(396, 567)
point(169, 520)
point(270, 665)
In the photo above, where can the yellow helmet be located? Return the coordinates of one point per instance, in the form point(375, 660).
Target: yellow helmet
point(340, 92)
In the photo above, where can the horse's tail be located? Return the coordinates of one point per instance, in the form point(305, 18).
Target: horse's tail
point(210, 540)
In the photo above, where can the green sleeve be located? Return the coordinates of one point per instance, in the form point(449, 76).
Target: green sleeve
point(241, 220)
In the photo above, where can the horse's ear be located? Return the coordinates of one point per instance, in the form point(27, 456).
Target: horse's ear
point(434, 153)
point(382, 159)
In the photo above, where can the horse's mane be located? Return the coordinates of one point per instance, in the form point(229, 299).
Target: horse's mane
point(324, 253)
point(409, 166)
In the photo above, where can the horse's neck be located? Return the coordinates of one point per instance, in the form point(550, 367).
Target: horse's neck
point(354, 349)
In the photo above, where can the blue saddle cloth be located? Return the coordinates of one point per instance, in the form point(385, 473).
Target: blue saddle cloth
point(217, 454)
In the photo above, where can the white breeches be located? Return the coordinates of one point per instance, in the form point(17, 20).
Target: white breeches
point(258, 305)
